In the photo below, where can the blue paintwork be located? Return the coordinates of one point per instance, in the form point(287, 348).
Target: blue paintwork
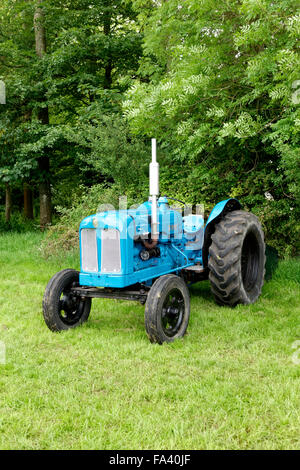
point(180, 243)
point(218, 209)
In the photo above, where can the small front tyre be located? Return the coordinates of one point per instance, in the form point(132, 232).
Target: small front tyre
point(167, 309)
point(62, 309)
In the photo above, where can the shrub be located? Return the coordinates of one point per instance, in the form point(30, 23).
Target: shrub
point(17, 223)
point(64, 235)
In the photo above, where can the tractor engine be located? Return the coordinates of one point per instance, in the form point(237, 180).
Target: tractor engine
point(118, 250)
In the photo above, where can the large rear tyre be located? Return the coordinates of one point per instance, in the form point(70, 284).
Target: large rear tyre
point(62, 309)
point(167, 310)
point(237, 259)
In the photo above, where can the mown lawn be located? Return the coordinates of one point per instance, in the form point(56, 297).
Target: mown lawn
point(230, 383)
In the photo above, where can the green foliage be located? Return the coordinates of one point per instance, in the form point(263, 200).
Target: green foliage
point(17, 224)
point(93, 47)
point(111, 149)
point(223, 98)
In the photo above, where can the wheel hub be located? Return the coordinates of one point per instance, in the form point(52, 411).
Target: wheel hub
point(70, 307)
point(172, 312)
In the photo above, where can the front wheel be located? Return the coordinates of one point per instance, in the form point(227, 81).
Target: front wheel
point(237, 259)
point(61, 308)
point(167, 309)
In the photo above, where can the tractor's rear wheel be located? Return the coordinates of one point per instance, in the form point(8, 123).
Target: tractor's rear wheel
point(167, 310)
point(237, 259)
point(62, 309)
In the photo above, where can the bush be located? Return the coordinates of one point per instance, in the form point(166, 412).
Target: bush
point(64, 235)
point(17, 223)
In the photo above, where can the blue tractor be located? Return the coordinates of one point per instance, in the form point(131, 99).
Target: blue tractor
point(151, 254)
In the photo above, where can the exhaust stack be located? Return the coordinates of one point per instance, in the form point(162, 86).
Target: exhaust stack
point(154, 193)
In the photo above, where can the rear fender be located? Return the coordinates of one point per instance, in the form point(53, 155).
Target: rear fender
point(218, 212)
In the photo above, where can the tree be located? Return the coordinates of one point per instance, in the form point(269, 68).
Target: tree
point(59, 59)
point(43, 118)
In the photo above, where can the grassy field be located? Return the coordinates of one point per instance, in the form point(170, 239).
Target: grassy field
point(230, 383)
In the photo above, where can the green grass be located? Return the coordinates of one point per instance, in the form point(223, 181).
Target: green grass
point(230, 383)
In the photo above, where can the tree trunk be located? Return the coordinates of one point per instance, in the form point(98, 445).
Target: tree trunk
point(45, 192)
point(108, 67)
point(108, 78)
point(28, 202)
point(39, 30)
point(44, 186)
point(45, 204)
point(43, 116)
point(7, 203)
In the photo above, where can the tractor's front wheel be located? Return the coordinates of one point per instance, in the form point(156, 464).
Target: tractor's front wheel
point(167, 309)
point(61, 308)
point(237, 259)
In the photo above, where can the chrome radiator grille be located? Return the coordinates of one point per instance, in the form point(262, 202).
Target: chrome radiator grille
point(89, 252)
point(110, 251)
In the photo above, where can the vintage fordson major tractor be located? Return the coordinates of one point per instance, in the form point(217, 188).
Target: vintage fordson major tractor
point(151, 254)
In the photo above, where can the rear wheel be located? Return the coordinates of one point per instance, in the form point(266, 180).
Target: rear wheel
point(167, 309)
point(61, 308)
point(237, 259)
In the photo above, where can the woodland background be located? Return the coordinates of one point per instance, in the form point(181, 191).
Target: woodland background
point(89, 82)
